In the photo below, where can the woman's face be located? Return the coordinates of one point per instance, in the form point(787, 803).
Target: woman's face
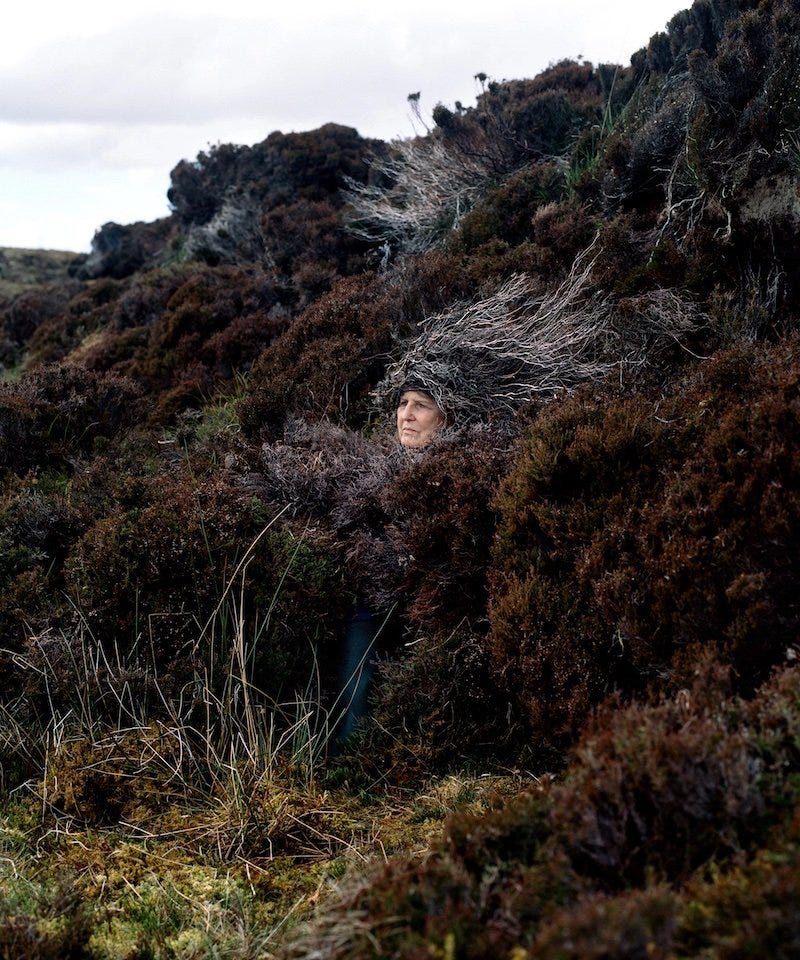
point(418, 418)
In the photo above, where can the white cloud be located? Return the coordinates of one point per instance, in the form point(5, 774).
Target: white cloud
point(92, 91)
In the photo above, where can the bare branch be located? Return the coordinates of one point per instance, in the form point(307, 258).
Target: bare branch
point(433, 186)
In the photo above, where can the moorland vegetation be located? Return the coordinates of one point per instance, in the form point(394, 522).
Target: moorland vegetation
point(589, 664)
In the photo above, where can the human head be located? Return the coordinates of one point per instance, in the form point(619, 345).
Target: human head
point(419, 418)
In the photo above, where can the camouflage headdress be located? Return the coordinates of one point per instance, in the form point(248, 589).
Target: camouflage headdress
point(485, 359)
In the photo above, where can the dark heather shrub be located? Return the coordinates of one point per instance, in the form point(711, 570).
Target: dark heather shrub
point(306, 232)
point(506, 213)
point(414, 531)
point(752, 911)
point(200, 309)
point(54, 415)
point(144, 301)
point(430, 282)
point(88, 312)
point(38, 524)
point(166, 326)
point(649, 792)
point(327, 361)
point(705, 158)
point(21, 315)
point(639, 925)
point(228, 205)
point(422, 539)
point(534, 119)
point(119, 251)
point(436, 707)
point(667, 818)
point(636, 534)
point(157, 578)
point(659, 791)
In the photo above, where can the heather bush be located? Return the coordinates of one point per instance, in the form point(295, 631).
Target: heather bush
point(165, 576)
point(506, 213)
point(185, 325)
point(637, 924)
point(422, 538)
point(703, 153)
point(37, 527)
point(436, 707)
point(119, 251)
point(55, 415)
point(666, 819)
point(21, 315)
point(430, 282)
point(613, 570)
point(651, 792)
point(413, 531)
point(87, 313)
point(143, 302)
point(281, 169)
point(327, 361)
point(308, 244)
point(231, 202)
point(751, 911)
point(201, 308)
point(421, 189)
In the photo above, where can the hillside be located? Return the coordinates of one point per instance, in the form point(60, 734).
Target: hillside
point(583, 724)
point(20, 268)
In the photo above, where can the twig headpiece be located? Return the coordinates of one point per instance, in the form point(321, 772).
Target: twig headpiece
point(487, 358)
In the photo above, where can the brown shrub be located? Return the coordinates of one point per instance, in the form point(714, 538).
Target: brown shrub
point(436, 707)
point(54, 415)
point(638, 925)
point(636, 533)
point(507, 212)
point(752, 911)
point(21, 315)
point(156, 580)
point(223, 305)
point(87, 312)
point(327, 361)
point(641, 850)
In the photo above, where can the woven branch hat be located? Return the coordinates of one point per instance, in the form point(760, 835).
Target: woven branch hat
point(485, 359)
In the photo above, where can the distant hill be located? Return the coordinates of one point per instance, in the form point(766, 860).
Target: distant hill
point(21, 268)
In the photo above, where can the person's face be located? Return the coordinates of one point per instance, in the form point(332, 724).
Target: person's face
point(418, 419)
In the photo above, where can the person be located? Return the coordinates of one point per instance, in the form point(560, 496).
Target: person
point(419, 418)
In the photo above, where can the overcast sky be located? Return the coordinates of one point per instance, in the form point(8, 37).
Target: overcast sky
point(99, 100)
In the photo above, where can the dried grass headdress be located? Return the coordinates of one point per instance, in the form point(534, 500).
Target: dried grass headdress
point(493, 355)
point(484, 360)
